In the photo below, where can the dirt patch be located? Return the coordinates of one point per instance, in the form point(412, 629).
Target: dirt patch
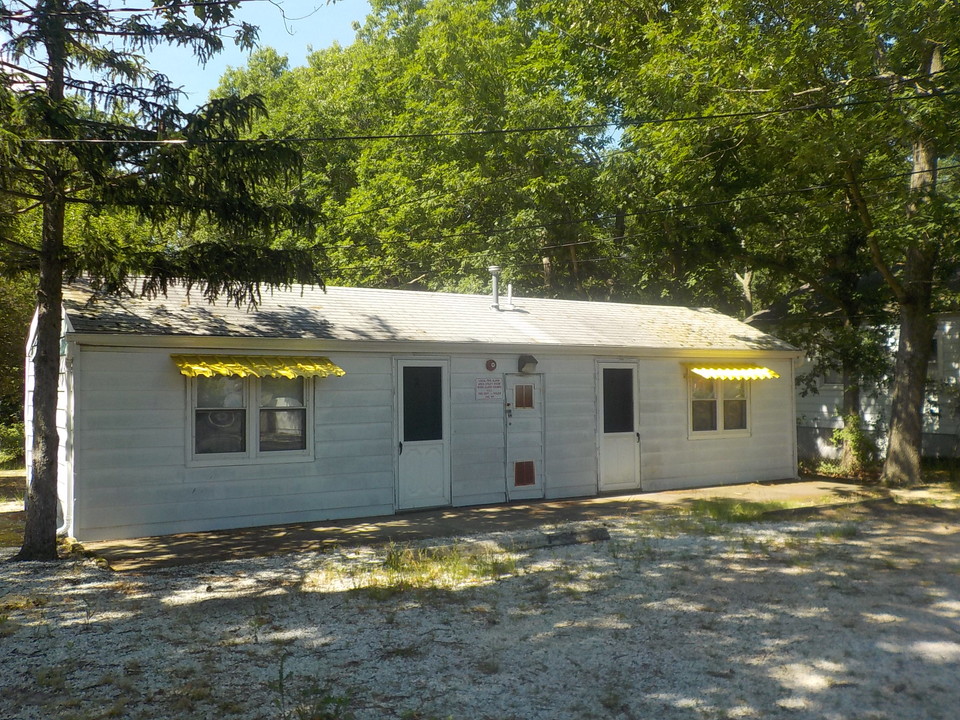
point(675, 616)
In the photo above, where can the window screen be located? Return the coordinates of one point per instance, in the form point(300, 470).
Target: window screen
point(422, 403)
point(617, 400)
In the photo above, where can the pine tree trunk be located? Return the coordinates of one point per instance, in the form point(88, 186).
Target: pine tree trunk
point(40, 532)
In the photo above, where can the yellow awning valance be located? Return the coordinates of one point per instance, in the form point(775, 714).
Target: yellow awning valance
point(732, 372)
point(255, 365)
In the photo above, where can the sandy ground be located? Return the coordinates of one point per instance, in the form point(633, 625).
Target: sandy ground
point(852, 617)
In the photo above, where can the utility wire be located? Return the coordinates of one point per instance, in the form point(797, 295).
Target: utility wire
point(496, 131)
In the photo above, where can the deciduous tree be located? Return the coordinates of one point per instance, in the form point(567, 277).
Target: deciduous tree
point(794, 140)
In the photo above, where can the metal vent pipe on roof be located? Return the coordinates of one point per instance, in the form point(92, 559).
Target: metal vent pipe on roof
point(495, 285)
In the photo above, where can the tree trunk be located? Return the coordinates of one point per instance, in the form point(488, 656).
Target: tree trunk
point(917, 325)
point(40, 533)
point(746, 286)
point(547, 272)
point(903, 462)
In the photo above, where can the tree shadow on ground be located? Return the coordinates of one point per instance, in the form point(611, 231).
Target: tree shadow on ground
point(675, 617)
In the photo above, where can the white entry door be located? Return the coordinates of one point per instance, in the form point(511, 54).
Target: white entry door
point(423, 466)
point(523, 406)
point(619, 440)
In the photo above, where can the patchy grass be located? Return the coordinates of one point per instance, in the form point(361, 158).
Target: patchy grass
point(11, 523)
point(404, 568)
point(11, 528)
point(12, 485)
point(730, 510)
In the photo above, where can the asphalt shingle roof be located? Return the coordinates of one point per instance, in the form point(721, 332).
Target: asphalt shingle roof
point(355, 314)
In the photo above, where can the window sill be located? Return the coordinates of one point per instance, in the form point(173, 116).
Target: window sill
point(230, 459)
point(717, 434)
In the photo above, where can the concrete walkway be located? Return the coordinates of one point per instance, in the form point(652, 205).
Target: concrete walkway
point(188, 548)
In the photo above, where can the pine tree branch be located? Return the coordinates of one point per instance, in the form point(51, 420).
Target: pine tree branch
point(21, 194)
point(20, 247)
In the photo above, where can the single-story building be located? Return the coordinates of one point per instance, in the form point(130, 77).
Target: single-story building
point(178, 414)
point(818, 413)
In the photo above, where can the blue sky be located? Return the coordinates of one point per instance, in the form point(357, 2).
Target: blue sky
point(310, 24)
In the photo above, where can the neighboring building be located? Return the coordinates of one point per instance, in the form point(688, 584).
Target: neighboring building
point(181, 415)
point(818, 414)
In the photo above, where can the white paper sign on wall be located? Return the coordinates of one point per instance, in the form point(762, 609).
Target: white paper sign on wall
point(490, 389)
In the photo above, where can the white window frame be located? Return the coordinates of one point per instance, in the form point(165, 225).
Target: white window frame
point(720, 432)
point(252, 455)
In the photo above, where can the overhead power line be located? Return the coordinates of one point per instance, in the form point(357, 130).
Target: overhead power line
point(498, 131)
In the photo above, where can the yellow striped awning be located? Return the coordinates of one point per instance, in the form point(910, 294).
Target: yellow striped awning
point(255, 365)
point(732, 372)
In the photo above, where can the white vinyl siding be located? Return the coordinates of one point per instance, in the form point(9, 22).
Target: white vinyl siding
point(135, 474)
point(134, 455)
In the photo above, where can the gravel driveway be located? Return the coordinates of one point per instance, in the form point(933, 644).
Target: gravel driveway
point(853, 617)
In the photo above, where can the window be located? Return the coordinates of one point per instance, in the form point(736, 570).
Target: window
point(524, 473)
point(717, 405)
point(523, 396)
point(618, 400)
point(238, 419)
point(832, 376)
point(422, 403)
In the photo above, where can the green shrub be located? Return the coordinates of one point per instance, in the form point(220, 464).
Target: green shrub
point(858, 448)
point(11, 444)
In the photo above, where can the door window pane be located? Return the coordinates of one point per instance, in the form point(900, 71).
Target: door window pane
point(422, 403)
point(524, 473)
point(523, 396)
point(617, 400)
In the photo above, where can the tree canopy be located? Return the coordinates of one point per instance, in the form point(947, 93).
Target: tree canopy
point(784, 158)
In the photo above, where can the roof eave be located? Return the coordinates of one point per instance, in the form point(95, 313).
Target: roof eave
point(209, 342)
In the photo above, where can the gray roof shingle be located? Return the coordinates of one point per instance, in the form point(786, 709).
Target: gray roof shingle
point(355, 314)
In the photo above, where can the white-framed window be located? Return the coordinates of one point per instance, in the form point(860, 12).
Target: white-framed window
point(237, 420)
point(719, 406)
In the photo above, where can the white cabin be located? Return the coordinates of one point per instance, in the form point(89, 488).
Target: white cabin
point(178, 414)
